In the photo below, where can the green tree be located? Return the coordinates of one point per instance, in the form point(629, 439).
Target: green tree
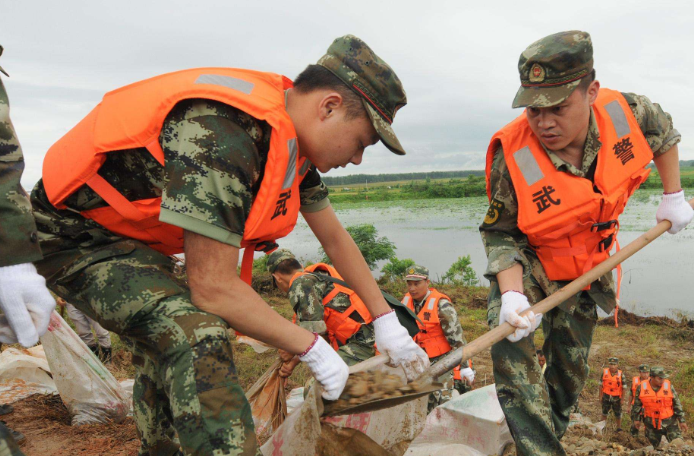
point(396, 268)
point(372, 247)
point(461, 272)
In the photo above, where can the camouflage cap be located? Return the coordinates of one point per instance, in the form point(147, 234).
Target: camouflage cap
point(644, 368)
point(1, 70)
point(612, 360)
point(551, 68)
point(351, 60)
point(659, 372)
point(276, 257)
point(416, 273)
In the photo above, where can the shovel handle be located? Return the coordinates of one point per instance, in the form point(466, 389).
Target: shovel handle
point(369, 363)
point(455, 357)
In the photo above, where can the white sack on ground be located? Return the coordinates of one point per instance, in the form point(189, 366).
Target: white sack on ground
point(470, 425)
point(23, 373)
point(89, 391)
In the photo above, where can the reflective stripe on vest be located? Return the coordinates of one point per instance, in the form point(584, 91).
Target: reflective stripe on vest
point(339, 325)
point(634, 385)
point(612, 385)
point(571, 225)
point(431, 336)
point(656, 405)
point(132, 117)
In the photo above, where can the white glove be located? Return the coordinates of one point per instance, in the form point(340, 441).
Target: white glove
point(393, 339)
point(328, 368)
point(468, 374)
point(512, 304)
point(26, 303)
point(675, 208)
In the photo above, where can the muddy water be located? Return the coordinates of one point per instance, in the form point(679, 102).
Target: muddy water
point(659, 280)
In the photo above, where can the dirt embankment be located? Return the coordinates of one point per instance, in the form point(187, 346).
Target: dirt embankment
point(653, 340)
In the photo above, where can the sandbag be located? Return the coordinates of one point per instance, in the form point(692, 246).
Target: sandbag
point(268, 402)
point(89, 391)
point(304, 431)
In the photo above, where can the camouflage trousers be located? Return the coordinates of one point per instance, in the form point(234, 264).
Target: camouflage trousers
point(186, 395)
point(613, 403)
point(444, 395)
point(8, 447)
point(537, 406)
point(669, 428)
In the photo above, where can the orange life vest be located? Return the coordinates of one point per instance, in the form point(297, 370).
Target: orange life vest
point(656, 405)
point(339, 325)
point(133, 116)
point(430, 337)
point(612, 385)
point(634, 385)
point(571, 222)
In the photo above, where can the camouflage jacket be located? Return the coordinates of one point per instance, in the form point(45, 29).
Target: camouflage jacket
point(448, 318)
point(637, 408)
point(215, 159)
point(18, 236)
point(506, 245)
point(306, 297)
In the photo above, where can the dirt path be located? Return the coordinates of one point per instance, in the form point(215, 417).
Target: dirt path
point(45, 422)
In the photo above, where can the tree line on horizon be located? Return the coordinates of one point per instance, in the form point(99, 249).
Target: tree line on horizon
point(395, 177)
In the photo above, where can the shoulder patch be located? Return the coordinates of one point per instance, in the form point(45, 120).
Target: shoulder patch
point(493, 213)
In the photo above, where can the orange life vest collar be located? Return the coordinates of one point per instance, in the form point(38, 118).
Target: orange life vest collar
point(431, 336)
point(657, 405)
point(133, 116)
point(612, 384)
point(339, 325)
point(571, 222)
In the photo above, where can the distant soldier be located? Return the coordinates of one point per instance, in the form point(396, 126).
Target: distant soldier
point(24, 299)
point(635, 381)
point(85, 328)
point(541, 360)
point(440, 330)
point(612, 390)
point(320, 306)
point(658, 408)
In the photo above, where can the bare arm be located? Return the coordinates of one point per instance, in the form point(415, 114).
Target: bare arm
point(668, 164)
point(345, 255)
point(511, 279)
point(216, 288)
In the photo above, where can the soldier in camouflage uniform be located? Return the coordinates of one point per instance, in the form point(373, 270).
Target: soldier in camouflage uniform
point(306, 293)
point(537, 407)
point(669, 427)
point(22, 291)
point(419, 294)
point(612, 401)
point(644, 373)
point(186, 394)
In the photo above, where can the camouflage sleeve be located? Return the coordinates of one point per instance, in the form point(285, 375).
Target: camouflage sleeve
point(306, 298)
point(313, 192)
point(637, 408)
point(655, 123)
point(503, 241)
point(677, 405)
point(212, 166)
point(18, 236)
point(450, 324)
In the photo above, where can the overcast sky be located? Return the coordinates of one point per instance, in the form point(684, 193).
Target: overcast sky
point(457, 59)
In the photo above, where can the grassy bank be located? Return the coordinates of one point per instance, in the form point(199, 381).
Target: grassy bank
point(473, 185)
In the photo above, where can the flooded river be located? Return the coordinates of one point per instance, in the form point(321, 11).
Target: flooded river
point(659, 280)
